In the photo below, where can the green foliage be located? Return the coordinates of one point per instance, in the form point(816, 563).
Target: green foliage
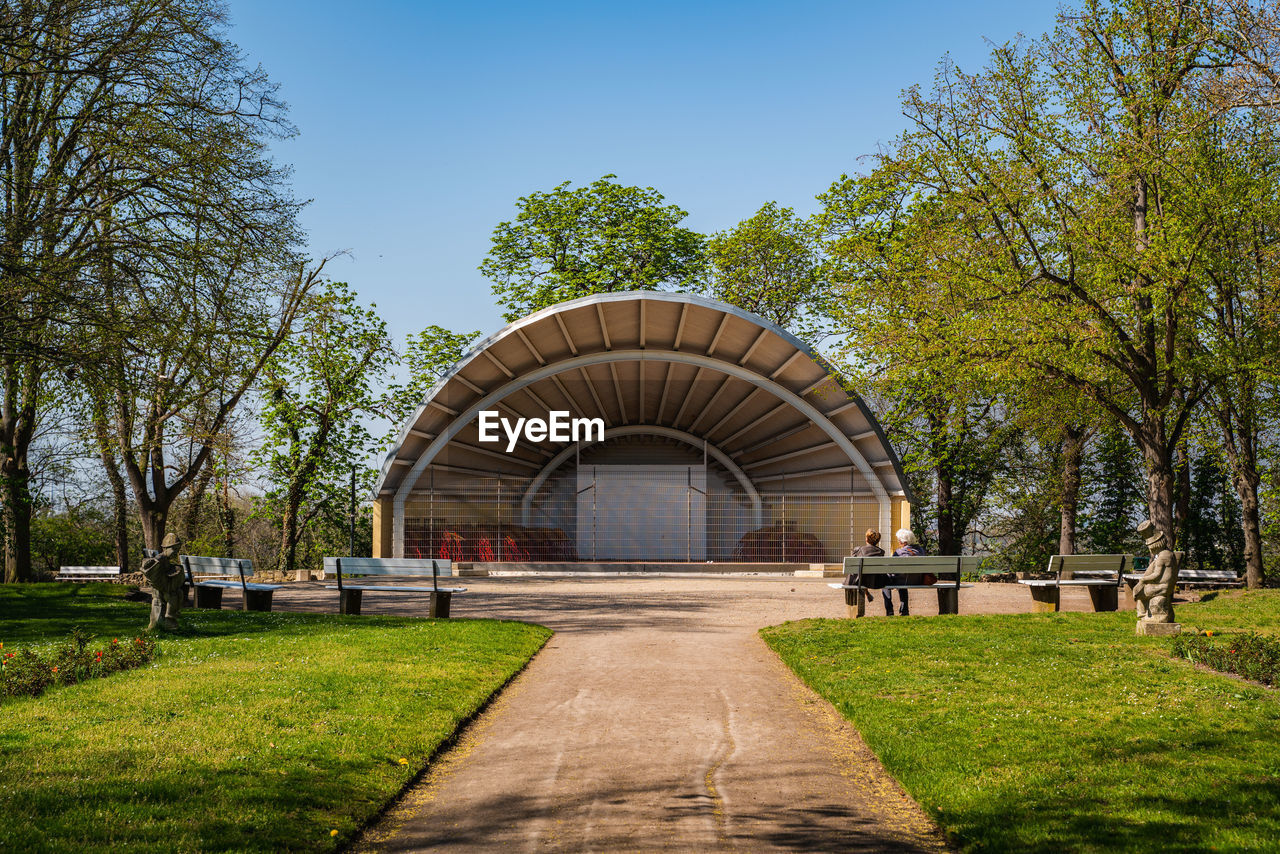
point(78, 536)
point(1024, 527)
point(428, 355)
point(602, 238)
point(954, 447)
point(1052, 732)
point(1116, 504)
point(771, 264)
point(1252, 656)
point(148, 230)
point(252, 732)
point(1212, 534)
point(29, 671)
point(317, 388)
point(1046, 219)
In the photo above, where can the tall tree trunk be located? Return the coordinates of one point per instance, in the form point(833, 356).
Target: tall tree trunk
point(1251, 523)
point(119, 497)
point(947, 542)
point(17, 429)
point(1242, 456)
point(289, 537)
point(1182, 492)
point(1073, 438)
point(227, 518)
point(17, 517)
point(191, 518)
point(1161, 482)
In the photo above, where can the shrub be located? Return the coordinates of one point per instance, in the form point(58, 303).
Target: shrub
point(28, 672)
point(1252, 656)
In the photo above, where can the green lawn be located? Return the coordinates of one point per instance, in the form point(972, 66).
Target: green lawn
point(1059, 732)
point(250, 732)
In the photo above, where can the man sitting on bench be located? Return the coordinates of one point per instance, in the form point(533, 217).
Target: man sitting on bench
point(907, 547)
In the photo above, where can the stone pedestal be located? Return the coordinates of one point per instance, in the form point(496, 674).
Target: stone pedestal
point(1158, 630)
point(1044, 598)
point(440, 605)
point(208, 597)
point(349, 602)
point(257, 600)
point(856, 600)
point(1104, 598)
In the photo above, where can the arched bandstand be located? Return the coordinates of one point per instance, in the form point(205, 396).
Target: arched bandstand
point(726, 439)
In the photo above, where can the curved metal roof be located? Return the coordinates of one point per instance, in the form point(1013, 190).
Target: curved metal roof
point(696, 367)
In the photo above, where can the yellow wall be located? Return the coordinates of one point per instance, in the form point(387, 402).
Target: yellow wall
point(901, 516)
point(382, 510)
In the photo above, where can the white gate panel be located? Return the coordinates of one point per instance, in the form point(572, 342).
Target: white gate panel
point(652, 513)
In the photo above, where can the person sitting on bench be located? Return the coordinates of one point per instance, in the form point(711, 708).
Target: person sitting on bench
point(907, 547)
point(871, 549)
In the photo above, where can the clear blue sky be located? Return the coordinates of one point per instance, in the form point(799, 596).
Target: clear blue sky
point(423, 122)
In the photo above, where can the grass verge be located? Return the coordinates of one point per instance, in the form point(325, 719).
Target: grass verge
point(1059, 732)
point(250, 731)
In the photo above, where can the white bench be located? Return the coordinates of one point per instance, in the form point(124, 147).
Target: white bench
point(88, 573)
point(350, 595)
point(209, 576)
point(1198, 578)
point(1100, 574)
point(857, 568)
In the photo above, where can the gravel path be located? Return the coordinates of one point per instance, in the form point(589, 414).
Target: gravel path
point(657, 720)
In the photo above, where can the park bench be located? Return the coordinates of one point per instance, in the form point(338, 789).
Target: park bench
point(857, 568)
point(1100, 574)
point(209, 576)
point(1198, 578)
point(1188, 578)
point(350, 595)
point(88, 573)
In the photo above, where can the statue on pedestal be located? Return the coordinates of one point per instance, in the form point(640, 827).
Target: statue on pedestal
point(164, 572)
point(1153, 594)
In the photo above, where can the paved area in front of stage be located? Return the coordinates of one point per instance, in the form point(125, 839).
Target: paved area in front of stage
point(656, 720)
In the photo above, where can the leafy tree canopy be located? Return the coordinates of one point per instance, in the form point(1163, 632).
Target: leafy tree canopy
point(602, 238)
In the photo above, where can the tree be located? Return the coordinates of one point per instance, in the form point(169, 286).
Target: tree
point(169, 399)
point(428, 355)
point(132, 137)
point(602, 238)
point(771, 265)
point(1114, 502)
point(316, 388)
point(1066, 216)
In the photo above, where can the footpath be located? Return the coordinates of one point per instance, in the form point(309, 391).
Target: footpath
point(654, 720)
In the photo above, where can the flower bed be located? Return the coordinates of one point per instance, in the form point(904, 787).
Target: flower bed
point(1252, 656)
point(28, 672)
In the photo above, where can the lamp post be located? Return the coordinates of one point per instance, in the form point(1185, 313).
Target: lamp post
point(352, 548)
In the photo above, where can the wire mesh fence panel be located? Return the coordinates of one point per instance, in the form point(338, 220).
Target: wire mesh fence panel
point(668, 512)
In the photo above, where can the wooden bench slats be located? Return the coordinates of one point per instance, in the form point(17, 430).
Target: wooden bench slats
point(350, 595)
point(1089, 563)
point(388, 566)
point(1102, 576)
point(236, 585)
point(396, 588)
point(88, 573)
point(937, 564)
point(209, 576)
point(947, 585)
point(951, 566)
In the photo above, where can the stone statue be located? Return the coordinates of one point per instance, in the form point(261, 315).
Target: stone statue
point(164, 572)
point(1153, 592)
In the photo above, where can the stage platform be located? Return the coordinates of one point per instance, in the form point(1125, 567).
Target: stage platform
point(495, 569)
